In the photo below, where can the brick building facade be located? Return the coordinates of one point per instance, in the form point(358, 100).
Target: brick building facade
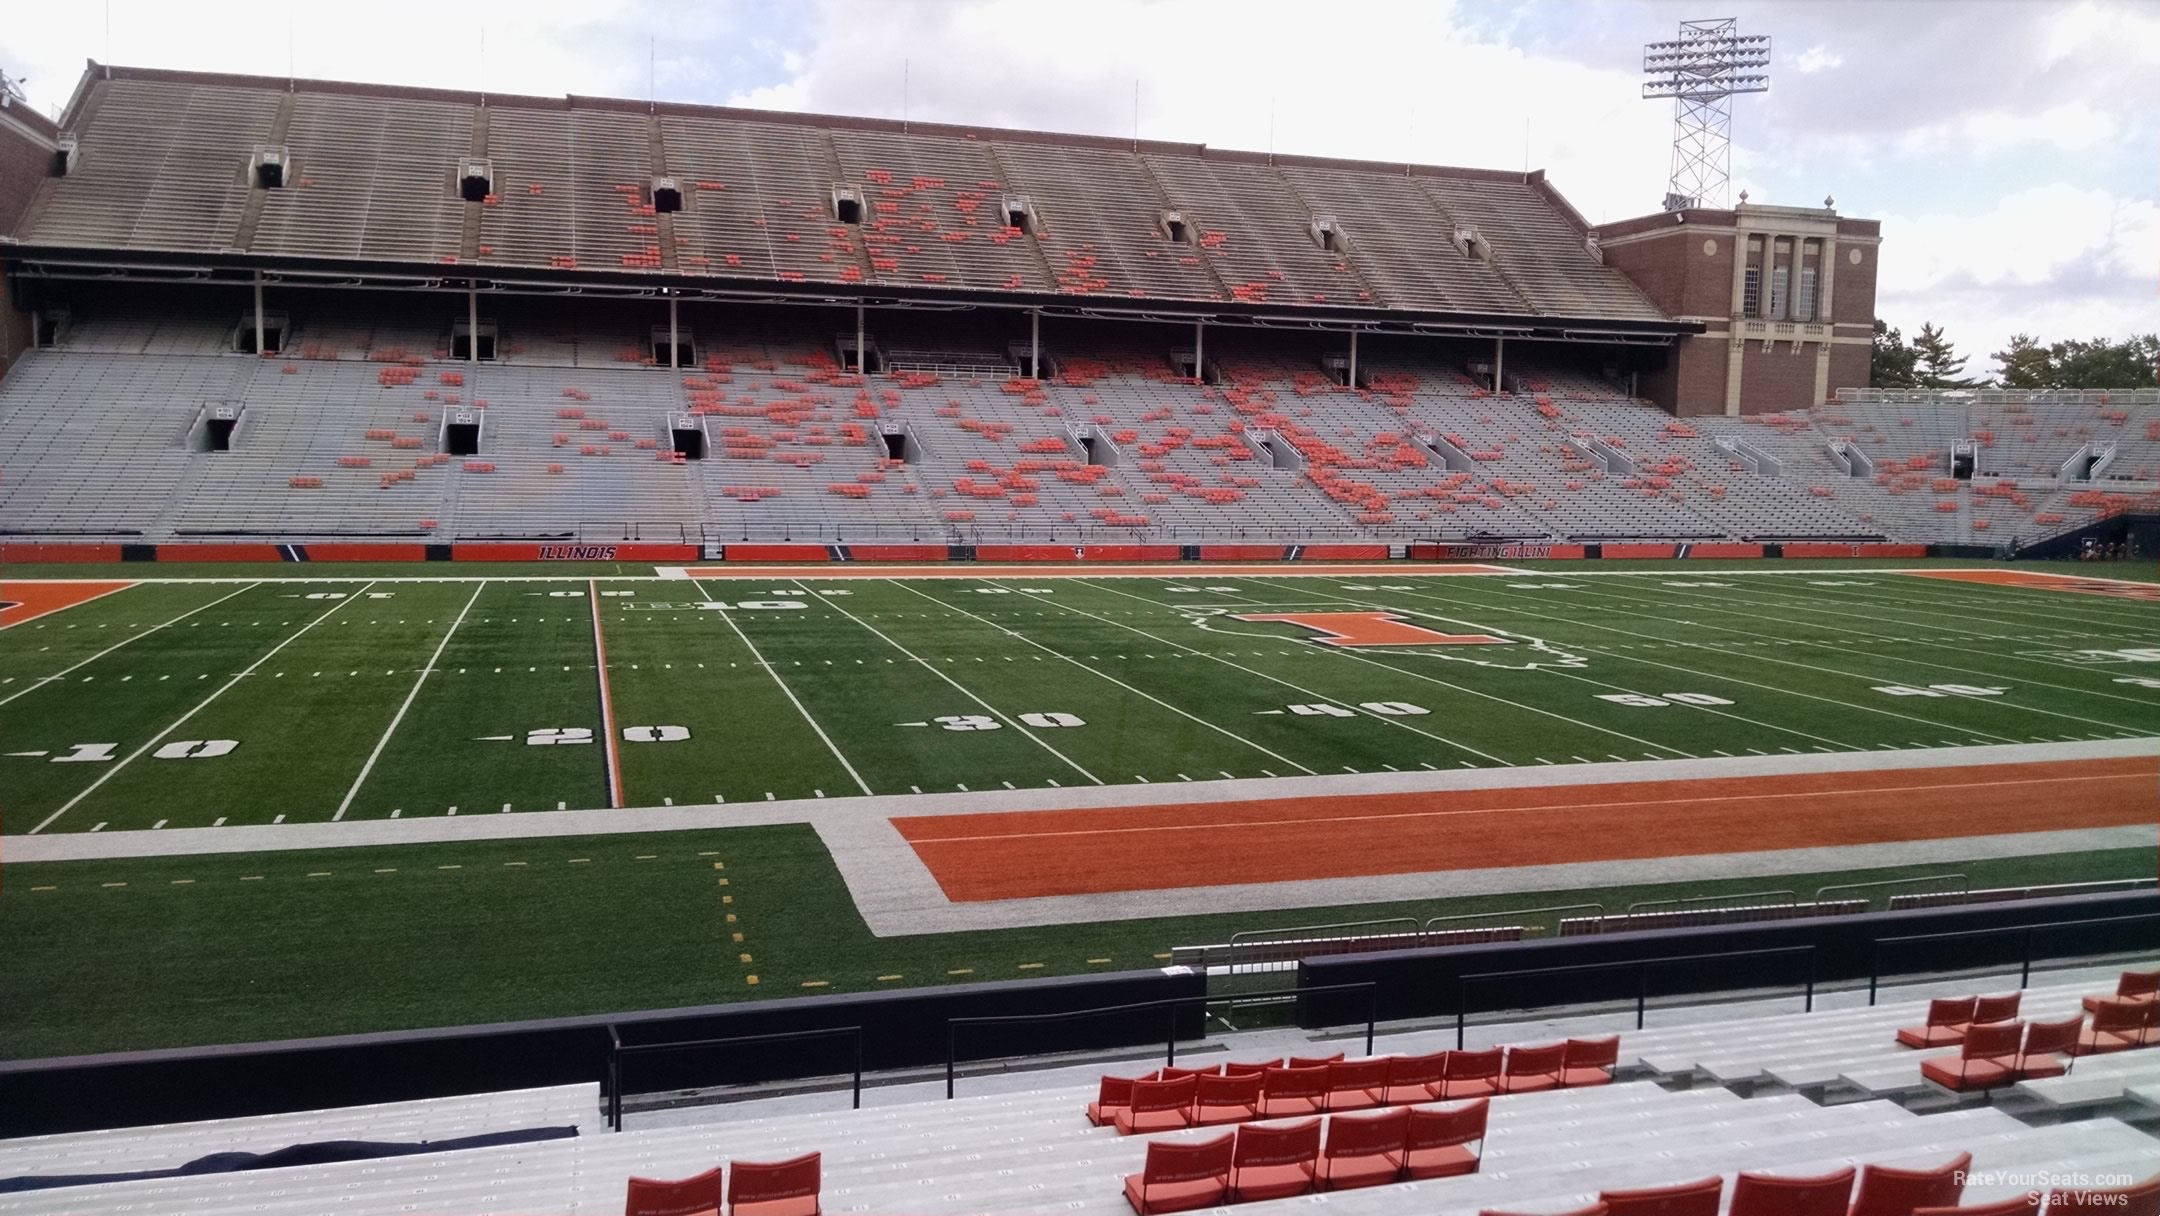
point(26, 152)
point(1786, 295)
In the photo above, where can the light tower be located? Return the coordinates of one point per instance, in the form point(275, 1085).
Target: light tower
point(1701, 70)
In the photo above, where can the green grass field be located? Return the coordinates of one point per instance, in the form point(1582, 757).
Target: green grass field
point(290, 697)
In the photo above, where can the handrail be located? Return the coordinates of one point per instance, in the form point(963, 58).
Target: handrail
point(617, 1050)
point(1890, 882)
point(2025, 947)
point(1517, 912)
point(1238, 939)
point(1642, 989)
point(952, 1025)
point(1791, 897)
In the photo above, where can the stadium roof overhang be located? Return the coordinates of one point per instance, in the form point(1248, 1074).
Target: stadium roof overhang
point(32, 262)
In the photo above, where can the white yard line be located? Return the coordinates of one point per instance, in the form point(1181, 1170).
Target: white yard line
point(42, 681)
point(1931, 723)
point(131, 757)
point(1107, 676)
point(1419, 675)
point(1571, 675)
point(425, 672)
point(1025, 733)
point(607, 698)
point(789, 693)
point(1995, 701)
point(1317, 696)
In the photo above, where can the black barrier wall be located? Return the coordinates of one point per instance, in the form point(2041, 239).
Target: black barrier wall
point(900, 1029)
point(1427, 983)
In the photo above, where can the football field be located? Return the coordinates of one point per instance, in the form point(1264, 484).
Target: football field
point(301, 799)
point(228, 702)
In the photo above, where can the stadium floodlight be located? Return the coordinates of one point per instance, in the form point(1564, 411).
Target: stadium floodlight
point(1702, 70)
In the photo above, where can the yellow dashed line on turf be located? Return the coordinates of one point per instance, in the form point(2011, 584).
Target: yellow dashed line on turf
point(388, 870)
point(1162, 956)
point(1030, 966)
point(815, 984)
point(1098, 960)
point(961, 971)
point(449, 867)
point(647, 856)
point(112, 884)
point(750, 980)
point(579, 861)
point(319, 874)
point(44, 888)
point(886, 979)
point(183, 882)
point(513, 863)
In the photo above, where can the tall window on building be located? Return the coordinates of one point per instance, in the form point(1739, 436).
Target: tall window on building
point(1751, 294)
point(1777, 293)
point(1804, 303)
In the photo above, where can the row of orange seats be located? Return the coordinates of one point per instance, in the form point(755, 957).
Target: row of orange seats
point(1279, 1161)
point(1234, 1093)
point(778, 1188)
point(1883, 1191)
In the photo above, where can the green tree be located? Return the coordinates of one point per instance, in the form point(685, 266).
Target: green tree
point(1891, 363)
point(1936, 363)
point(2101, 364)
point(2026, 363)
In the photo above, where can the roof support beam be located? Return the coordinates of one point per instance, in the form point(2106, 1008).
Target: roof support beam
point(258, 314)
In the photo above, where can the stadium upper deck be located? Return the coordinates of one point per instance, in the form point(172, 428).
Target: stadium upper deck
point(274, 172)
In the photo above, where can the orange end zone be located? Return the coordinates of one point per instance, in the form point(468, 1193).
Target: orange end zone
point(21, 602)
point(2038, 580)
point(1162, 570)
point(1022, 854)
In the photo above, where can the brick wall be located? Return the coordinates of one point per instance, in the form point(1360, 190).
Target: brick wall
point(1698, 376)
point(1777, 379)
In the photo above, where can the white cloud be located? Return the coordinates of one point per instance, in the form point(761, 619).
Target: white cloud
point(1818, 58)
point(2057, 261)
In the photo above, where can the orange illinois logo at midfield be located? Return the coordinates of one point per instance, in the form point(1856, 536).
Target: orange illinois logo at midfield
point(1354, 629)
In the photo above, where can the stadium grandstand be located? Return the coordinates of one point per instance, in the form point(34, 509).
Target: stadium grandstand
point(1231, 880)
point(248, 308)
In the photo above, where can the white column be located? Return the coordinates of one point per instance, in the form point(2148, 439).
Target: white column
point(472, 324)
point(674, 341)
point(1353, 358)
point(862, 353)
point(1199, 352)
point(1034, 343)
point(258, 314)
point(1499, 364)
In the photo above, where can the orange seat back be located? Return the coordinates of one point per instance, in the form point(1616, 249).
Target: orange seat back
point(1534, 1061)
point(1294, 1082)
point(688, 1197)
point(1685, 1199)
point(1314, 1061)
point(1954, 1011)
point(1417, 1070)
point(1114, 1091)
point(1997, 1008)
point(1769, 1195)
point(1473, 1065)
point(1347, 1075)
point(1888, 1191)
point(1595, 1209)
point(1368, 1135)
point(2053, 1038)
point(2138, 983)
point(769, 1181)
point(1993, 1041)
point(1237, 1089)
point(1172, 1161)
point(1231, 1070)
point(1176, 1094)
point(1442, 1126)
point(2116, 1017)
point(1593, 1053)
point(1259, 1144)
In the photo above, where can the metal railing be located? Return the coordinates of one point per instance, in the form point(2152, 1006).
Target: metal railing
point(2022, 932)
point(1170, 1005)
point(1964, 882)
point(617, 1049)
point(1642, 968)
point(1443, 924)
point(1636, 908)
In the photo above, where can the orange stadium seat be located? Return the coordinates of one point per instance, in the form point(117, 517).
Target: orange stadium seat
point(686, 1197)
point(1112, 1094)
point(1275, 1162)
point(1471, 1074)
point(2116, 1026)
point(1158, 1106)
point(1181, 1176)
point(1887, 1191)
point(1227, 1099)
point(1356, 1084)
point(1412, 1079)
point(2132, 986)
point(1364, 1150)
point(1987, 1058)
point(2050, 1048)
point(1773, 1195)
point(1946, 1022)
point(1590, 1062)
point(1682, 1199)
point(775, 1188)
point(1436, 1144)
point(1531, 1069)
point(1291, 1092)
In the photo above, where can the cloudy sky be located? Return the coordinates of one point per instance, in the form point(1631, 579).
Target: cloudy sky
point(2010, 147)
